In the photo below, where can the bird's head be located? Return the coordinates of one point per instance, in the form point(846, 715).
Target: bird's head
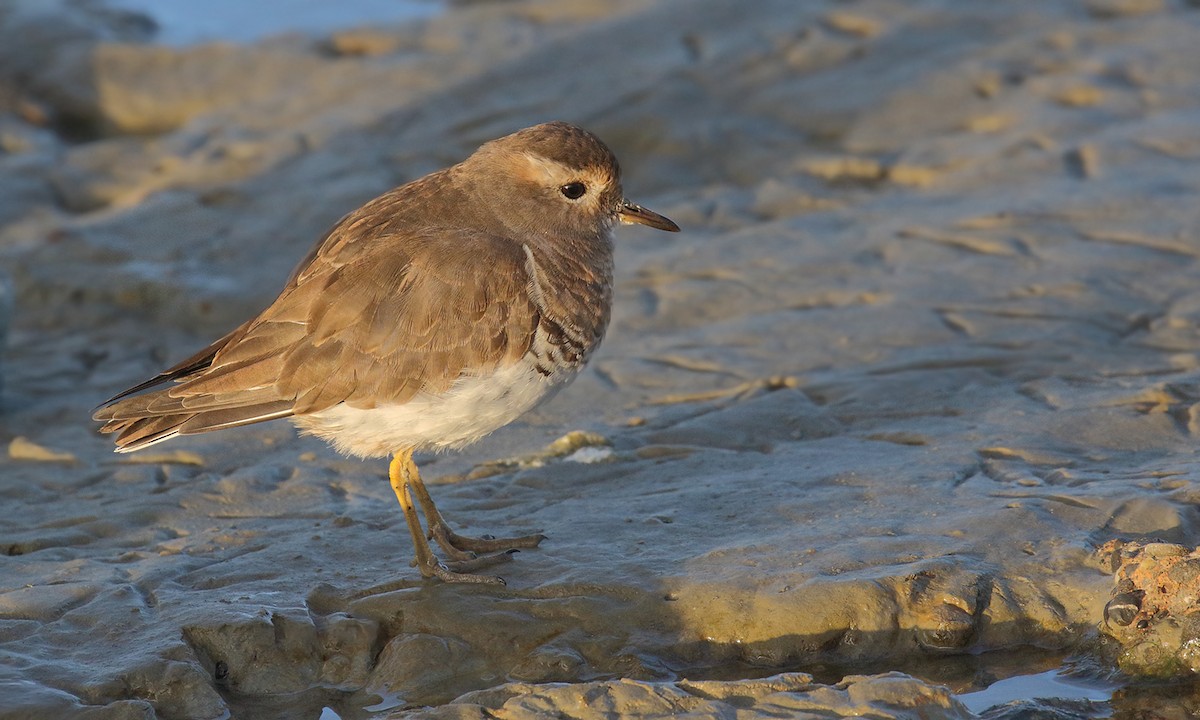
point(556, 180)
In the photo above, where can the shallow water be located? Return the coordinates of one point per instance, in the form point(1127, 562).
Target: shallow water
point(1013, 678)
point(187, 23)
point(1052, 684)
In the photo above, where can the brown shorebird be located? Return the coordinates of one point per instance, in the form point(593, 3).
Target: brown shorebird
point(424, 320)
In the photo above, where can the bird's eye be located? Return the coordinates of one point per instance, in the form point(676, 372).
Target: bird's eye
point(573, 190)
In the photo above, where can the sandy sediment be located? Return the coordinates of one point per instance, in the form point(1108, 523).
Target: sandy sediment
point(927, 342)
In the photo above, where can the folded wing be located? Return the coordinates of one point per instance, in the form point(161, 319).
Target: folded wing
point(400, 316)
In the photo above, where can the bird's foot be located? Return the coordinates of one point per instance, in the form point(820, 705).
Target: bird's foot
point(460, 571)
point(463, 548)
point(480, 561)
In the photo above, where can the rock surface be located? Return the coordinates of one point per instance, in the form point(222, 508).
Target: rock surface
point(791, 695)
point(1153, 617)
point(929, 339)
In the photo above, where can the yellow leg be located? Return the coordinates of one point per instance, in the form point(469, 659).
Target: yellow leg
point(402, 472)
point(461, 547)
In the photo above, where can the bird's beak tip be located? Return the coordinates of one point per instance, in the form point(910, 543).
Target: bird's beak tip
point(632, 213)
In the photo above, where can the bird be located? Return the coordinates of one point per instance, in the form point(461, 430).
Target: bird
point(424, 320)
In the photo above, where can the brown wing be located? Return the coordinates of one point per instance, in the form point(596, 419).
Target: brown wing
point(399, 315)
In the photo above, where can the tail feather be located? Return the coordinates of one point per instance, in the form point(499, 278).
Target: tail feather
point(148, 413)
point(135, 433)
point(143, 432)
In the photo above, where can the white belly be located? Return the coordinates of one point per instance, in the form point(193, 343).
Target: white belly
point(470, 409)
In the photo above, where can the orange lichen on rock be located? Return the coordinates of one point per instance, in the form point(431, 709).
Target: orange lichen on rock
point(1153, 616)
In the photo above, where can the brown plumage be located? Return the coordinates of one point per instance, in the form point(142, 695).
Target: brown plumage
point(425, 319)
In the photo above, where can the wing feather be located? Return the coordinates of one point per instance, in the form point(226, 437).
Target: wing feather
point(403, 314)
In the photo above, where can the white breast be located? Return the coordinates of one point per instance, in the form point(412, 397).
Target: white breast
point(471, 408)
